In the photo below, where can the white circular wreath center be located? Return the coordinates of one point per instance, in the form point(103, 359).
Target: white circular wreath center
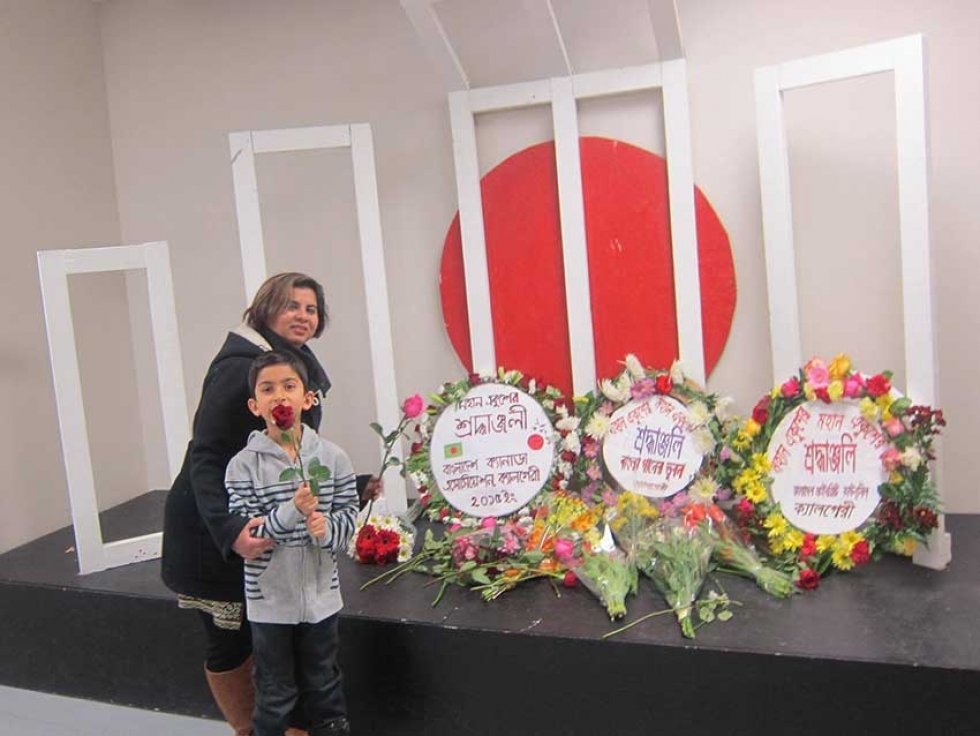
point(492, 451)
point(649, 448)
point(826, 467)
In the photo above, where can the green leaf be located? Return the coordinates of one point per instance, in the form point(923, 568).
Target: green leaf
point(480, 576)
point(377, 428)
point(289, 474)
point(314, 486)
point(467, 566)
point(392, 461)
point(534, 556)
point(900, 406)
point(724, 615)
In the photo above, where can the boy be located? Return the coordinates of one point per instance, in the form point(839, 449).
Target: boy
point(292, 592)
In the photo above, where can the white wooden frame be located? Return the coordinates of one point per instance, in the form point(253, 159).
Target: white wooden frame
point(244, 147)
point(54, 267)
point(905, 57)
point(562, 93)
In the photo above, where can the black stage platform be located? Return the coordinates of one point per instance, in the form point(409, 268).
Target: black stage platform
point(889, 649)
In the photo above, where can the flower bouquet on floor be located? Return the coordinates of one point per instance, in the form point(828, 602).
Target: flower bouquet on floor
point(736, 555)
point(632, 523)
point(608, 574)
point(678, 565)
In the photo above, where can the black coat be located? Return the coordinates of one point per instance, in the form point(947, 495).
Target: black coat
point(198, 531)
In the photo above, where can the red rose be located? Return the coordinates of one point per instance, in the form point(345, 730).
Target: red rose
point(861, 553)
point(568, 456)
point(282, 415)
point(878, 385)
point(570, 580)
point(475, 379)
point(664, 384)
point(417, 447)
point(809, 580)
point(760, 414)
point(424, 499)
point(744, 509)
point(443, 513)
point(821, 393)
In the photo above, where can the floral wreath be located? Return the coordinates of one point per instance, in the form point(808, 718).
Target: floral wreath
point(711, 419)
point(909, 507)
point(431, 501)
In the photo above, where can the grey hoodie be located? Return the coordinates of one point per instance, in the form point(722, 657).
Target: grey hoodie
point(296, 581)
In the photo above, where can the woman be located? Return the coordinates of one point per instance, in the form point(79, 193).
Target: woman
point(204, 545)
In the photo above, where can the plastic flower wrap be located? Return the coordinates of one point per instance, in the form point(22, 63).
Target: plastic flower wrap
point(682, 552)
point(610, 577)
point(632, 521)
point(738, 556)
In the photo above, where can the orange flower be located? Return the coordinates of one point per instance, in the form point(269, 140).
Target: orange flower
point(694, 514)
point(548, 565)
point(512, 573)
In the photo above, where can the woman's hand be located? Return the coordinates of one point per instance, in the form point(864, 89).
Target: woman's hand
point(374, 488)
point(248, 547)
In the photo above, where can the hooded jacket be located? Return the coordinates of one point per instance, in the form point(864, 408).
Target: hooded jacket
point(296, 581)
point(198, 530)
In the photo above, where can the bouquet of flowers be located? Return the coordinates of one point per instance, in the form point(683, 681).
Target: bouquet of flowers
point(632, 522)
point(679, 565)
point(379, 537)
point(607, 573)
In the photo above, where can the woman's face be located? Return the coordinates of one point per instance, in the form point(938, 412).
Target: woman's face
point(299, 320)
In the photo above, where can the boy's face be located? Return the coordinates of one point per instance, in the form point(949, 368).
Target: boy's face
point(275, 385)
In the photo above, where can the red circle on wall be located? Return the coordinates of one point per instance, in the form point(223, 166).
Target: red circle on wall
point(630, 266)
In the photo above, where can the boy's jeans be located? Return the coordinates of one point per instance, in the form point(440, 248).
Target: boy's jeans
point(294, 659)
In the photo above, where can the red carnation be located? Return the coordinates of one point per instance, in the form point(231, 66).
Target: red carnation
point(664, 384)
point(282, 415)
point(822, 394)
point(809, 580)
point(417, 447)
point(760, 414)
point(744, 510)
point(475, 379)
point(925, 518)
point(809, 548)
point(443, 513)
point(878, 385)
point(570, 580)
point(861, 553)
point(568, 456)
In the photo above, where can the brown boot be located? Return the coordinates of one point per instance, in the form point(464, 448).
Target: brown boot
point(234, 692)
point(291, 731)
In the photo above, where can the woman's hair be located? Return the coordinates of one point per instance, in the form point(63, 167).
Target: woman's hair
point(276, 293)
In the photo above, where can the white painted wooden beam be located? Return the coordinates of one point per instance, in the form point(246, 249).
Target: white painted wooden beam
point(666, 28)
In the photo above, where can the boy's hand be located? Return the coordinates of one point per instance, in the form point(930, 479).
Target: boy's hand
point(304, 500)
point(316, 525)
point(248, 547)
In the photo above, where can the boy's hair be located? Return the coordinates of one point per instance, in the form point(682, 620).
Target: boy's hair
point(275, 294)
point(270, 358)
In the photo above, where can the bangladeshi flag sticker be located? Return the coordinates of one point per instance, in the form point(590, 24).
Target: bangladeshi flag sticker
point(453, 450)
point(535, 441)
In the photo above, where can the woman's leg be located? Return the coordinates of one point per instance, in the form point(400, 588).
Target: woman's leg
point(228, 669)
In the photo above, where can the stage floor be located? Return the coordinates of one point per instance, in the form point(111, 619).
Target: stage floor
point(881, 626)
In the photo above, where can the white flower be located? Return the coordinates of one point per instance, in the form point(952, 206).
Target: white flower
point(911, 458)
point(634, 366)
point(703, 489)
point(704, 441)
point(548, 404)
point(469, 521)
point(424, 430)
point(418, 478)
point(725, 409)
point(568, 424)
point(698, 414)
point(563, 484)
point(571, 442)
point(597, 426)
point(618, 390)
point(677, 372)
point(564, 468)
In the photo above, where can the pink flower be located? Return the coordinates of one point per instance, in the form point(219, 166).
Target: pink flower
point(894, 426)
point(488, 523)
point(413, 406)
point(853, 386)
point(570, 580)
point(593, 472)
point(643, 388)
point(891, 459)
point(564, 550)
point(817, 374)
point(455, 527)
point(790, 388)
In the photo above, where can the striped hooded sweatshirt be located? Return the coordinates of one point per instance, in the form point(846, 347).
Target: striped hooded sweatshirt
point(296, 581)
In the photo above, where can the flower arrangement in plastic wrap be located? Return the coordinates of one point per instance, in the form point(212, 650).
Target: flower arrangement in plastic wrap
point(381, 537)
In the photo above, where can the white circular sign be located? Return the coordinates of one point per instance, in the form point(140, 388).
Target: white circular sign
point(826, 467)
point(492, 451)
point(649, 448)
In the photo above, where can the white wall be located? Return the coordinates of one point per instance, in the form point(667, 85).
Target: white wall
point(57, 191)
point(180, 75)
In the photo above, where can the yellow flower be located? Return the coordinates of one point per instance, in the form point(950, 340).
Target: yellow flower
point(793, 540)
point(839, 367)
point(756, 492)
point(847, 540)
point(906, 546)
point(835, 390)
point(825, 542)
point(776, 524)
point(751, 427)
point(774, 394)
point(842, 559)
point(895, 477)
point(885, 404)
point(760, 463)
point(777, 546)
point(869, 409)
point(808, 391)
point(742, 440)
